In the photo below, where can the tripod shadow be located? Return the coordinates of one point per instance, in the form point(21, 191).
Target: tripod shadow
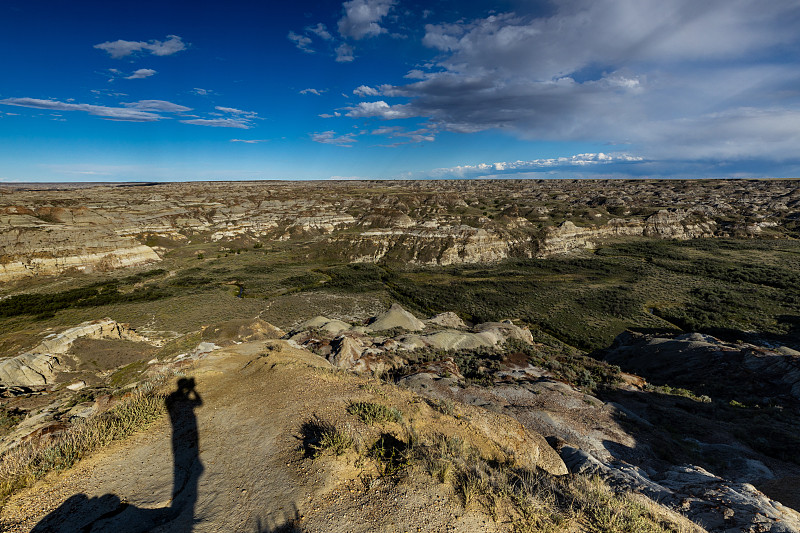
point(108, 513)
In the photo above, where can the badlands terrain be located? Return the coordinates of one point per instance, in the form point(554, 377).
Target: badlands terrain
point(401, 356)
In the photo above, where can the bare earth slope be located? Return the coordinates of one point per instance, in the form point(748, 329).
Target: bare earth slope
point(247, 473)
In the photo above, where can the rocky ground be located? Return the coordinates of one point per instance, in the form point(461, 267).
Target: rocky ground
point(508, 398)
point(49, 230)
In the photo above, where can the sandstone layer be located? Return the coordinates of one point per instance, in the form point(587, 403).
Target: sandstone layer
point(101, 227)
point(40, 365)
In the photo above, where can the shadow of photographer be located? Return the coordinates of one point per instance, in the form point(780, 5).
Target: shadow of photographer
point(109, 513)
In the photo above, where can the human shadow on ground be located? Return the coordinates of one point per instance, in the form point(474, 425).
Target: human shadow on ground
point(108, 513)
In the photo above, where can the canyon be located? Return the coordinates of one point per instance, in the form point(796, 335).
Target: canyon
point(46, 232)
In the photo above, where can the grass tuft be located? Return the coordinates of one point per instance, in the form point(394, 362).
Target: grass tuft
point(320, 437)
point(372, 413)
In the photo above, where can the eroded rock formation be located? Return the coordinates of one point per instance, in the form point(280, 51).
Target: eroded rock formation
point(428, 223)
point(40, 365)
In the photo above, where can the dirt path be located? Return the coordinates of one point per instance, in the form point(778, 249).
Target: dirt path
point(236, 466)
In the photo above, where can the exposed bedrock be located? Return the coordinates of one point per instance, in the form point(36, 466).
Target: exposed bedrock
point(40, 365)
point(425, 223)
point(48, 249)
point(707, 365)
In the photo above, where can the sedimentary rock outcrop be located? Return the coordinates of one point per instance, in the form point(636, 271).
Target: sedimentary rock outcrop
point(364, 349)
point(707, 365)
point(666, 224)
point(428, 223)
point(719, 505)
point(40, 365)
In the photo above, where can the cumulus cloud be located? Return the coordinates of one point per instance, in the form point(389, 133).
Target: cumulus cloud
point(362, 18)
point(344, 53)
point(118, 49)
point(648, 73)
point(330, 115)
point(363, 90)
point(378, 109)
point(141, 73)
point(301, 42)
point(321, 31)
point(330, 137)
point(318, 92)
point(501, 168)
point(201, 92)
point(415, 74)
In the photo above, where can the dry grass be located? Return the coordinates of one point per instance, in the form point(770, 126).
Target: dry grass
point(371, 413)
point(322, 436)
point(537, 502)
point(23, 465)
point(603, 509)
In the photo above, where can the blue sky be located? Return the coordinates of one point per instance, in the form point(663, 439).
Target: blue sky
point(118, 91)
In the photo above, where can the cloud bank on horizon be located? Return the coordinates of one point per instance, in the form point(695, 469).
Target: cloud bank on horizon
point(399, 89)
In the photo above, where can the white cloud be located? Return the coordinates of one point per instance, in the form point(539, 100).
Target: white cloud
point(514, 167)
point(330, 137)
point(235, 111)
point(301, 42)
point(201, 92)
point(249, 141)
point(240, 123)
point(406, 137)
point(364, 90)
point(158, 105)
point(344, 53)
point(321, 31)
point(649, 73)
point(129, 114)
point(118, 49)
point(141, 73)
point(329, 115)
point(386, 130)
point(362, 17)
point(237, 118)
point(318, 92)
point(378, 109)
